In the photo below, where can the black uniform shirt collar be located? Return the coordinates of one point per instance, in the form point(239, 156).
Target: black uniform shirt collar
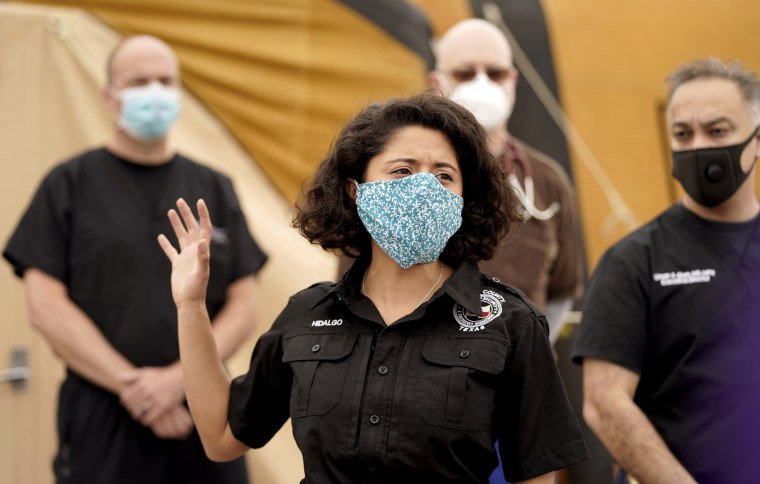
point(463, 286)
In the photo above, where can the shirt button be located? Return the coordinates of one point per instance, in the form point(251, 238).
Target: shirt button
point(382, 370)
point(315, 348)
point(464, 353)
point(374, 419)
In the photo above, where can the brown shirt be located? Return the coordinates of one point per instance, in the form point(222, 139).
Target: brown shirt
point(541, 257)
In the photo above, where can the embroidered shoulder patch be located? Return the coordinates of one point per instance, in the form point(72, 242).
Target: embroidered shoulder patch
point(490, 309)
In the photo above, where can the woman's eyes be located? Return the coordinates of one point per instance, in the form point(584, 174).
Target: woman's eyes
point(441, 176)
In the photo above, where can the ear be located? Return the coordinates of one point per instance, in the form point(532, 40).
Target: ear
point(514, 78)
point(437, 84)
point(351, 189)
point(112, 105)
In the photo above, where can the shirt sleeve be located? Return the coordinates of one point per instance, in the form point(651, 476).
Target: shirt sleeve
point(248, 256)
point(538, 432)
point(614, 322)
point(41, 239)
point(260, 400)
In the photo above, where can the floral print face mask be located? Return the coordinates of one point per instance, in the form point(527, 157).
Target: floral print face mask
point(411, 218)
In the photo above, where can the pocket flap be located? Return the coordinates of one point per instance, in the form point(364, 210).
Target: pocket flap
point(318, 347)
point(482, 354)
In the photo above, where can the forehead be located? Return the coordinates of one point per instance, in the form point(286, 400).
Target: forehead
point(143, 58)
point(417, 142)
point(702, 100)
point(474, 47)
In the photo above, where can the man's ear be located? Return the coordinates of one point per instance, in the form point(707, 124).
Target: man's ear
point(515, 78)
point(436, 83)
point(110, 102)
point(433, 81)
point(351, 188)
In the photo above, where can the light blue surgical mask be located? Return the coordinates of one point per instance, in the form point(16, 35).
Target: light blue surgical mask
point(410, 218)
point(147, 112)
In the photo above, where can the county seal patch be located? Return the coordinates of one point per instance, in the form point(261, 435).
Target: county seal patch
point(490, 306)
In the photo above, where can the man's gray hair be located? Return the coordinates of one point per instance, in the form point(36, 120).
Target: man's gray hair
point(713, 68)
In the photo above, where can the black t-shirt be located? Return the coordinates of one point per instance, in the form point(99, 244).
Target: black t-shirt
point(677, 301)
point(150, 178)
point(421, 400)
point(91, 226)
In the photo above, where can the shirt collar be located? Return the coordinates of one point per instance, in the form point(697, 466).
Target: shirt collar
point(348, 288)
point(463, 286)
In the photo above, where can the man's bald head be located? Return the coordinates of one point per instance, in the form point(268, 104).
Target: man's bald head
point(473, 41)
point(141, 57)
point(474, 67)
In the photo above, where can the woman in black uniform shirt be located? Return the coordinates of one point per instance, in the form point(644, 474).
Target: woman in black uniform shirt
point(411, 366)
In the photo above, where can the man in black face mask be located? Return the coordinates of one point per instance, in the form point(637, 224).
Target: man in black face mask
point(670, 336)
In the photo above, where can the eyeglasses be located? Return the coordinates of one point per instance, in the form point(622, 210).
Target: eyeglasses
point(496, 74)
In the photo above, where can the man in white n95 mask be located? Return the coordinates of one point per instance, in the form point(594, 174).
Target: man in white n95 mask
point(542, 257)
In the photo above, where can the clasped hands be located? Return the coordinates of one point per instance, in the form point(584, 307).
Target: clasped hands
point(154, 396)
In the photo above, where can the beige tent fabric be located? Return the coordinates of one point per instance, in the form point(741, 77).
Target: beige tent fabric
point(51, 70)
point(283, 76)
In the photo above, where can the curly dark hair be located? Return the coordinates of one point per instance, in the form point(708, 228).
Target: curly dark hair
point(326, 213)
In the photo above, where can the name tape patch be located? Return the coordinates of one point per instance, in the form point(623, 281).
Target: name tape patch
point(327, 322)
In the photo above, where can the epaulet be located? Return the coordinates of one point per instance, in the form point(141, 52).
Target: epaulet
point(320, 283)
point(315, 293)
point(491, 280)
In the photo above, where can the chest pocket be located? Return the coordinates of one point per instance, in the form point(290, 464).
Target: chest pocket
point(456, 385)
point(320, 364)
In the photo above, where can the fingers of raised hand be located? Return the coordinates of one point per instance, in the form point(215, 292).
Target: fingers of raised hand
point(167, 247)
point(205, 219)
point(187, 217)
point(179, 229)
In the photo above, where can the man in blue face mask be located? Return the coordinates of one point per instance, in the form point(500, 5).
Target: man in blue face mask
point(671, 325)
point(96, 284)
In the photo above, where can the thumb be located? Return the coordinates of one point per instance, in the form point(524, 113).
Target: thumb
point(204, 254)
point(128, 376)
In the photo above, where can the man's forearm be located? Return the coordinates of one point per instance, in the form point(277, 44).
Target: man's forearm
point(71, 333)
point(634, 443)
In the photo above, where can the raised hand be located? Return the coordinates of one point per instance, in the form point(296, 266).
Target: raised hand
point(190, 266)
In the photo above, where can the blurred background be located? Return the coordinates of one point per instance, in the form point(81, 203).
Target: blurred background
point(268, 85)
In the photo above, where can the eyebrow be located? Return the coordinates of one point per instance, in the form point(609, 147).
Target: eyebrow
point(711, 122)
point(438, 164)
